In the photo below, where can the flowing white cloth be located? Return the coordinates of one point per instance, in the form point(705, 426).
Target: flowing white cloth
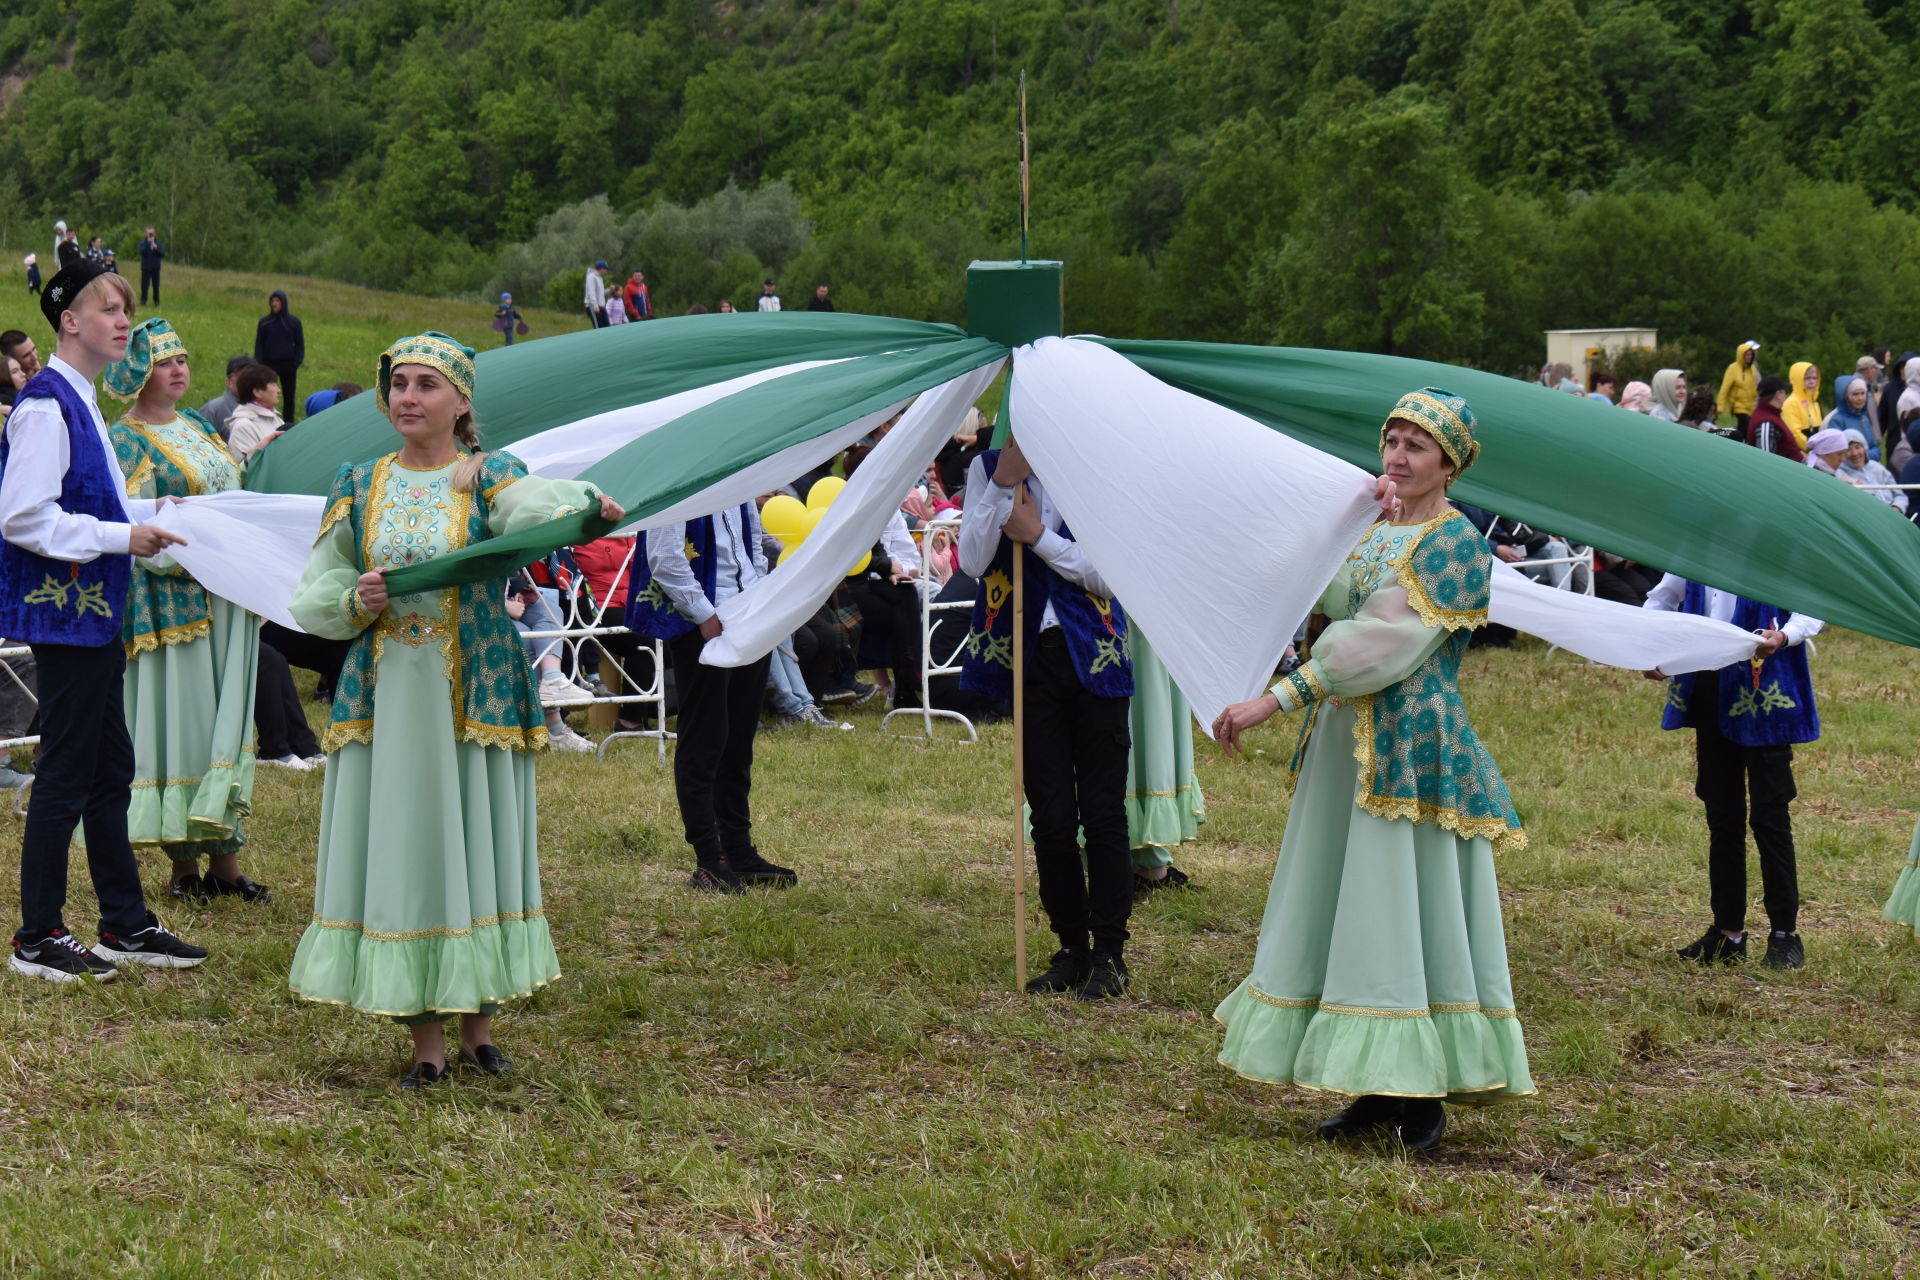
point(1216, 532)
point(246, 547)
point(766, 613)
point(1612, 633)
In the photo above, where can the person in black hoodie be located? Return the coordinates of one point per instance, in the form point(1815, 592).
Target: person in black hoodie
point(280, 344)
point(1896, 382)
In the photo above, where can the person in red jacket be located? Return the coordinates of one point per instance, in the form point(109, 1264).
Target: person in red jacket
point(639, 304)
point(1766, 429)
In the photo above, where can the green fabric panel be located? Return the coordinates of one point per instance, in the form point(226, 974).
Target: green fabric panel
point(1695, 504)
point(534, 386)
point(706, 446)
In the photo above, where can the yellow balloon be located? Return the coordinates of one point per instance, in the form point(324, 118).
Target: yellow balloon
point(824, 491)
point(783, 517)
point(811, 522)
point(785, 552)
point(861, 568)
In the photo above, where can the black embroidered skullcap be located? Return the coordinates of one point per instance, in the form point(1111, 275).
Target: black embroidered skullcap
point(66, 286)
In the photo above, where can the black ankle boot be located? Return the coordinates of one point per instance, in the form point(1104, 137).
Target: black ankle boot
point(1422, 1121)
point(1368, 1113)
point(1065, 972)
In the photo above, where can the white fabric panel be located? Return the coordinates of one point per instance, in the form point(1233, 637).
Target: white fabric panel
point(563, 452)
point(766, 613)
point(1616, 634)
point(246, 547)
point(1216, 533)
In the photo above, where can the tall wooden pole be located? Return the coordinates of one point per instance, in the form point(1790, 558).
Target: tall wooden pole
point(1026, 182)
point(1020, 766)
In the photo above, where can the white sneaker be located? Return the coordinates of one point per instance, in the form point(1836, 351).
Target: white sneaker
point(293, 764)
point(565, 739)
point(558, 691)
point(316, 762)
point(818, 719)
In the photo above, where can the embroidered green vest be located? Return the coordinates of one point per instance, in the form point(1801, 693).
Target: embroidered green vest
point(494, 700)
point(1419, 756)
point(166, 606)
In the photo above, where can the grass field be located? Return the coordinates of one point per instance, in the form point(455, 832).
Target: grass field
point(346, 327)
point(839, 1081)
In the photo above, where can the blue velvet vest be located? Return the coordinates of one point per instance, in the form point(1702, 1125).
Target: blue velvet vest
point(45, 601)
point(1774, 709)
point(1095, 626)
point(650, 611)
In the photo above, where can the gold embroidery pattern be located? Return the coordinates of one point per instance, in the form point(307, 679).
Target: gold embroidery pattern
point(412, 629)
point(1430, 613)
point(142, 472)
point(1361, 1011)
point(340, 510)
point(185, 633)
point(1752, 702)
point(414, 935)
point(1494, 828)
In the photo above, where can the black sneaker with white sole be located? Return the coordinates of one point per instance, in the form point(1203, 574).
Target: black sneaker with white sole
point(59, 957)
point(152, 946)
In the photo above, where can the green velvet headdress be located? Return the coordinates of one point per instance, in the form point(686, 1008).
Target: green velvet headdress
point(1444, 416)
point(150, 342)
point(435, 350)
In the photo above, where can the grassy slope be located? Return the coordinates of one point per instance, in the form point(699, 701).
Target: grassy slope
point(347, 327)
point(837, 1080)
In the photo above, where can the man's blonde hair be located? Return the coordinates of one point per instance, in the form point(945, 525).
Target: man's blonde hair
point(110, 280)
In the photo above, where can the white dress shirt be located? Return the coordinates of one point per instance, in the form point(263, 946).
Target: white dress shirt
point(31, 517)
point(739, 562)
point(985, 515)
point(898, 541)
point(1671, 594)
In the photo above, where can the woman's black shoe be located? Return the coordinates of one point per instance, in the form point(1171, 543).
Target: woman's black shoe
point(1067, 971)
point(188, 888)
point(1714, 945)
point(1422, 1121)
point(485, 1058)
point(1174, 879)
point(422, 1076)
point(238, 887)
point(715, 879)
point(1784, 951)
point(1366, 1114)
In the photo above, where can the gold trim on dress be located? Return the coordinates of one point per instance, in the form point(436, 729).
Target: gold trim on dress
point(340, 510)
point(1501, 836)
point(1431, 614)
point(142, 472)
point(441, 931)
point(1283, 1002)
point(185, 633)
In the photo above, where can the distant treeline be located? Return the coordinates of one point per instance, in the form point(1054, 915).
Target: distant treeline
point(1436, 178)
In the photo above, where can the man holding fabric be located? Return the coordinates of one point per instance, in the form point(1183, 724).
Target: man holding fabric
point(682, 573)
point(1079, 685)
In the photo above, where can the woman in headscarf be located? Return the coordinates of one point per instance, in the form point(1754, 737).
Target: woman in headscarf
point(1638, 397)
point(191, 656)
point(1669, 393)
point(1802, 412)
point(1852, 411)
point(1826, 450)
point(427, 892)
point(1857, 468)
point(1381, 971)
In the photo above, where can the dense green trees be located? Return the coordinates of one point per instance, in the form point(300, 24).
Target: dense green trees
point(1442, 178)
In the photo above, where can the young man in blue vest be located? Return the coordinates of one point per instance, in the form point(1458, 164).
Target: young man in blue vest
point(1078, 688)
point(1746, 718)
point(681, 575)
point(64, 568)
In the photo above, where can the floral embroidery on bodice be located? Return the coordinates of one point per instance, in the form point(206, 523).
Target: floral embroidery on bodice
point(418, 518)
point(1373, 559)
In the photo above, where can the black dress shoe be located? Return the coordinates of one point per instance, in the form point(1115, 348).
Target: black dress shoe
point(1422, 1121)
point(1174, 879)
point(187, 888)
point(1106, 978)
point(1784, 951)
point(1714, 945)
point(715, 878)
point(1368, 1113)
point(239, 887)
point(423, 1075)
point(751, 869)
point(486, 1058)
point(1067, 971)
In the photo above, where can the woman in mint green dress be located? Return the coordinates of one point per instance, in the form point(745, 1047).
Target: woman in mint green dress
point(1381, 972)
point(1164, 804)
point(191, 656)
point(427, 891)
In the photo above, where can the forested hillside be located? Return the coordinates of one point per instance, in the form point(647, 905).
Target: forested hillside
point(1439, 178)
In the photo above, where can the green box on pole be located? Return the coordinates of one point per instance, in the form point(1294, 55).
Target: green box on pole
point(1014, 303)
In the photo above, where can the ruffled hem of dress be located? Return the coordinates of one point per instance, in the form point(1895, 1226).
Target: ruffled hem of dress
point(1460, 1054)
point(1903, 907)
point(441, 972)
point(1166, 822)
point(189, 818)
